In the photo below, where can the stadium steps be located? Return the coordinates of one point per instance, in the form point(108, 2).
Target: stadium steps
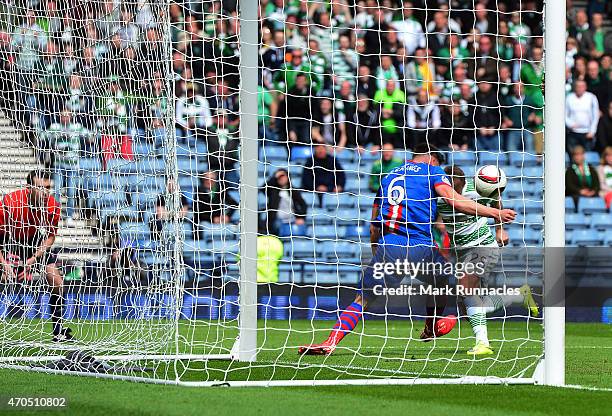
point(77, 241)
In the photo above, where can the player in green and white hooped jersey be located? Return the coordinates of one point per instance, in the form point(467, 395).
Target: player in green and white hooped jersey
point(473, 242)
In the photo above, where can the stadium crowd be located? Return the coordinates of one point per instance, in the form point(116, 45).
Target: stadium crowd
point(353, 77)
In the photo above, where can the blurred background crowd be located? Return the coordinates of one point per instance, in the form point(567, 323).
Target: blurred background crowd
point(339, 81)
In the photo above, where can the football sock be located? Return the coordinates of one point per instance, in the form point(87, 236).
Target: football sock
point(477, 317)
point(495, 302)
point(347, 321)
point(56, 308)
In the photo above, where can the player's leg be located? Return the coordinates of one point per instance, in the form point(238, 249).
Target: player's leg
point(477, 316)
point(56, 303)
point(350, 317)
point(436, 323)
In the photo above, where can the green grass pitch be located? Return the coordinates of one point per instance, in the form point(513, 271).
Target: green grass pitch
point(384, 350)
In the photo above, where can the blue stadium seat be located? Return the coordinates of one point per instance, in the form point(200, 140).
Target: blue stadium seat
point(146, 166)
point(135, 234)
point(106, 198)
point(90, 164)
point(354, 183)
point(530, 207)
point(521, 237)
point(601, 222)
point(271, 153)
point(323, 232)
point(533, 173)
point(492, 158)
point(569, 204)
point(576, 221)
point(403, 155)
point(344, 251)
point(303, 248)
point(365, 201)
point(300, 153)
point(592, 158)
point(514, 190)
point(318, 215)
point(583, 238)
point(358, 233)
point(187, 183)
point(535, 221)
point(332, 201)
point(520, 159)
point(143, 149)
point(191, 165)
point(290, 230)
point(346, 156)
point(144, 201)
point(461, 158)
point(592, 205)
point(513, 173)
point(568, 237)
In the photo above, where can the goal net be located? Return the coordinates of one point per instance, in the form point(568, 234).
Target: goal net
point(217, 164)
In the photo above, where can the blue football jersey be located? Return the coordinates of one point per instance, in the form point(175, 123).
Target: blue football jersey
point(407, 203)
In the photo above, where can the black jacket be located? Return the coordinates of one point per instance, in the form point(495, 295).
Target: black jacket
point(272, 192)
point(210, 205)
point(326, 172)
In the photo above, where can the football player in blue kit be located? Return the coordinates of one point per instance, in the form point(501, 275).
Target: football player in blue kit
point(401, 229)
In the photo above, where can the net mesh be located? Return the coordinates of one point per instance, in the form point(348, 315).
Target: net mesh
point(134, 108)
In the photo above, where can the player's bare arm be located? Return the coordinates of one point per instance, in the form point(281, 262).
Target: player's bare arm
point(469, 207)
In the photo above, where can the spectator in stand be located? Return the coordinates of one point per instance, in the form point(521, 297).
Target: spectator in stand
point(423, 118)
point(365, 82)
point(598, 35)
point(579, 30)
point(532, 73)
point(386, 72)
point(581, 117)
point(319, 63)
point(419, 73)
point(484, 63)
point(80, 103)
point(285, 203)
point(273, 57)
point(328, 126)
point(192, 111)
point(604, 170)
point(598, 85)
point(212, 204)
point(323, 173)
point(456, 127)
point(345, 102)
point(164, 213)
point(63, 139)
point(454, 55)
point(267, 110)
point(221, 143)
point(298, 111)
point(581, 179)
point(487, 119)
point(518, 29)
point(286, 78)
point(409, 30)
point(344, 60)
point(391, 102)
point(29, 40)
point(519, 117)
point(384, 165)
point(438, 30)
point(604, 129)
point(51, 81)
point(362, 127)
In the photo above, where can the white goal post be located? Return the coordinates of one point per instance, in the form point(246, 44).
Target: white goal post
point(168, 333)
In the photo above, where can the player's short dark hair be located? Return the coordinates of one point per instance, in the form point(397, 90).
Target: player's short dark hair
point(455, 171)
point(37, 173)
point(425, 148)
